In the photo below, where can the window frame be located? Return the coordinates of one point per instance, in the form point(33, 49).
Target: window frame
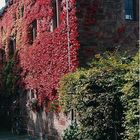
point(32, 31)
point(56, 5)
point(132, 10)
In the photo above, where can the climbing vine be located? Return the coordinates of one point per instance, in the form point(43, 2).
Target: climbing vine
point(9, 78)
point(43, 62)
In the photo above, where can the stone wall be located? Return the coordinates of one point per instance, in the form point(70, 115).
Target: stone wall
point(102, 27)
point(50, 125)
point(45, 124)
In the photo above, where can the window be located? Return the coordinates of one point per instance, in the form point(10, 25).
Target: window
point(2, 56)
point(55, 20)
point(4, 43)
point(2, 31)
point(56, 13)
point(33, 94)
point(6, 1)
point(19, 12)
point(22, 11)
point(130, 9)
point(14, 17)
point(33, 2)
point(12, 47)
point(73, 115)
point(32, 33)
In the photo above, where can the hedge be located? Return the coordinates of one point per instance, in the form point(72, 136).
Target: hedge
point(97, 95)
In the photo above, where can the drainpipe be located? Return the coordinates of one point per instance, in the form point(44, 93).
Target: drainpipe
point(69, 57)
point(68, 33)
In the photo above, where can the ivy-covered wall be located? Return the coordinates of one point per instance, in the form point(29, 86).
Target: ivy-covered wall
point(39, 65)
point(93, 26)
point(46, 60)
point(102, 27)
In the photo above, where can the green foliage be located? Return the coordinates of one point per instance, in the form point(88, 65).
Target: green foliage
point(130, 101)
point(96, 93)
point(72, 132)
point(9, 77)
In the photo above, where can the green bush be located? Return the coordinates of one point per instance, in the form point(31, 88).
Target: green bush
point(72, 132)
point(96, 93)
point(130, 101)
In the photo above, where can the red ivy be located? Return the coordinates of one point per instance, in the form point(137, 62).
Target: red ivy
point(46, 60)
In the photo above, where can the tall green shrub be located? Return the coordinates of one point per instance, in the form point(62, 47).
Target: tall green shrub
point(130, 101)
point(96, 95)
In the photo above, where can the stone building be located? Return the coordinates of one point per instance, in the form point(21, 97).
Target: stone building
point(49, 38)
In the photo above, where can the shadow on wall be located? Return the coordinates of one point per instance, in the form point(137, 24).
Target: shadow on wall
point(19, 106)
point(13, 110)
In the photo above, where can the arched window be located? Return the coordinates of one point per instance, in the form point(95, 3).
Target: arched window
point(130, 9)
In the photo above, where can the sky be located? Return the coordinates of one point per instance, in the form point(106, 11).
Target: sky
point(2, 3)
